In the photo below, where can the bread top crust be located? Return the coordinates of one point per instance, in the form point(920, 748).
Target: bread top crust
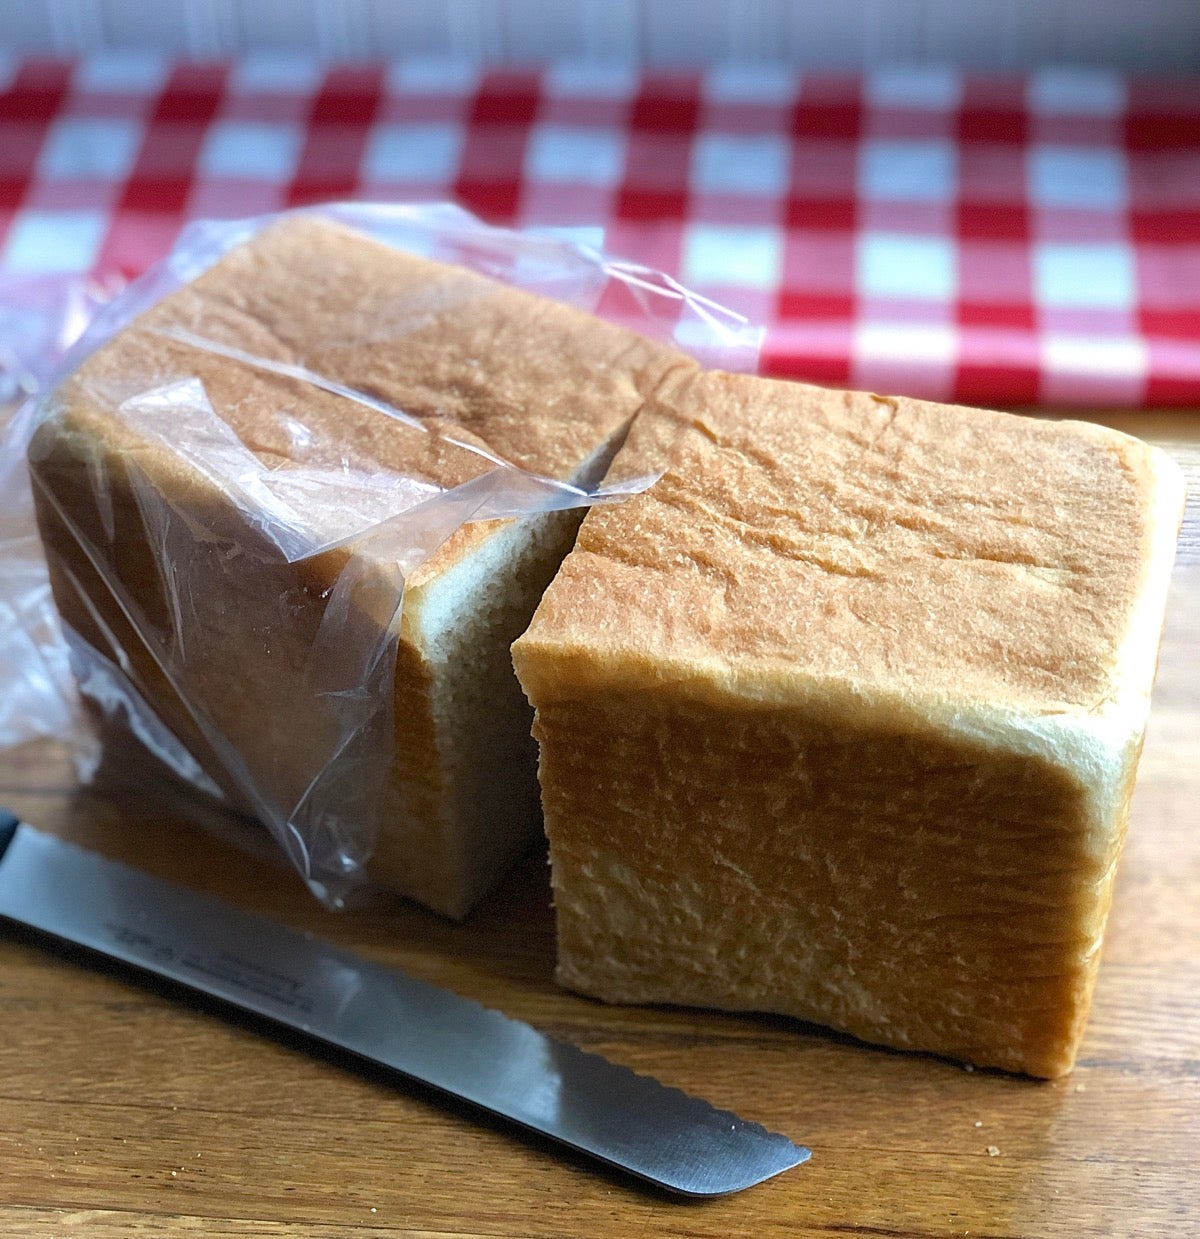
point(531, 380)
point(905, 552)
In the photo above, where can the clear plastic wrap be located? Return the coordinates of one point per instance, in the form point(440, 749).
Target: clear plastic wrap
point(40, 318)
point(231, 523)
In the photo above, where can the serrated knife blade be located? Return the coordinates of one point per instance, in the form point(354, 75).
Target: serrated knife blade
point(383, 1016)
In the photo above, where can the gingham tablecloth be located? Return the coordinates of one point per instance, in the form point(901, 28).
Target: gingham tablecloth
point(998, 241)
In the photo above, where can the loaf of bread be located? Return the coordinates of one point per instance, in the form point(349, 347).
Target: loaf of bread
point(840, 719)
point(203, 486)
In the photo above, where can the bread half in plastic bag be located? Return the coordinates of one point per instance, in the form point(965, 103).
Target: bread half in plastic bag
point(304, 484)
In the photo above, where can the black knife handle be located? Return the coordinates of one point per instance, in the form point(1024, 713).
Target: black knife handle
point(8, 830)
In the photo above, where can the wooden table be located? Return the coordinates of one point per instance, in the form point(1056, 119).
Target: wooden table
point(125, 1112)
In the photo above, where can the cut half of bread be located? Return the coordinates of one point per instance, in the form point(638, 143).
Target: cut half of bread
point(840, 719)
point(234, 491)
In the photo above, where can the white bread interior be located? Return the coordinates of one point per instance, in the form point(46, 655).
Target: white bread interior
point(463, 622)
point(840, 719)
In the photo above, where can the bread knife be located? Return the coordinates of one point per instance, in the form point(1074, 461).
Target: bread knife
point(383, 1016)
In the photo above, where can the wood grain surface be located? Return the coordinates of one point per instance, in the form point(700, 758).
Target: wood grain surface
point(125, 1111)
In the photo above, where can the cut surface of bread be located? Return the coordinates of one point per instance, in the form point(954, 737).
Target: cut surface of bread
point(210, 486)
point(840, 719)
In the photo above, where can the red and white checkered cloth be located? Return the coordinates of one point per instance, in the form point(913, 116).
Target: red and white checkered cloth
point(999, 241)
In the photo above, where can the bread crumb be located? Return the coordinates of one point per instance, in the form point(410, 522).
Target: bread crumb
point(1079, 1088)
point(992, 1151)
point(979, 1122)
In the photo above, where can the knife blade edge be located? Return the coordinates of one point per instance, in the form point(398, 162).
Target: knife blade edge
point(629, 1120)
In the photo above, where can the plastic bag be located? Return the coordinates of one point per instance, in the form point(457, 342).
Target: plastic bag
point(40, 318)
point(246, 634)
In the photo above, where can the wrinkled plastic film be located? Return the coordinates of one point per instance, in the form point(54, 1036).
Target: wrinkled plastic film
point(263, 615)
point(40, 318)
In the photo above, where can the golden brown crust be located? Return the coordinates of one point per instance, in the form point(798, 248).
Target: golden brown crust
point(903, 887)
point(802, 536)
point(475, 362)
point(534, 380)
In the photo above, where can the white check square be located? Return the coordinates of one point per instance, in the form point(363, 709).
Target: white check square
point(433, 75)
point(79, 148)
point(717, 254)
point(902, 171)
point(1087, 178)
point(590, 236)
point(899, 265)
point(584, 79)
point(1100, 276)
point(125, 73)
point(276, 73)
point(926, 343)
point(729, 164)
point(931, 88)
point(48, 241)
point(767, 84)
point(1077, 92)
point(575, 154)
point(250, 151)
point(1118, 357)
point(426, 154)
